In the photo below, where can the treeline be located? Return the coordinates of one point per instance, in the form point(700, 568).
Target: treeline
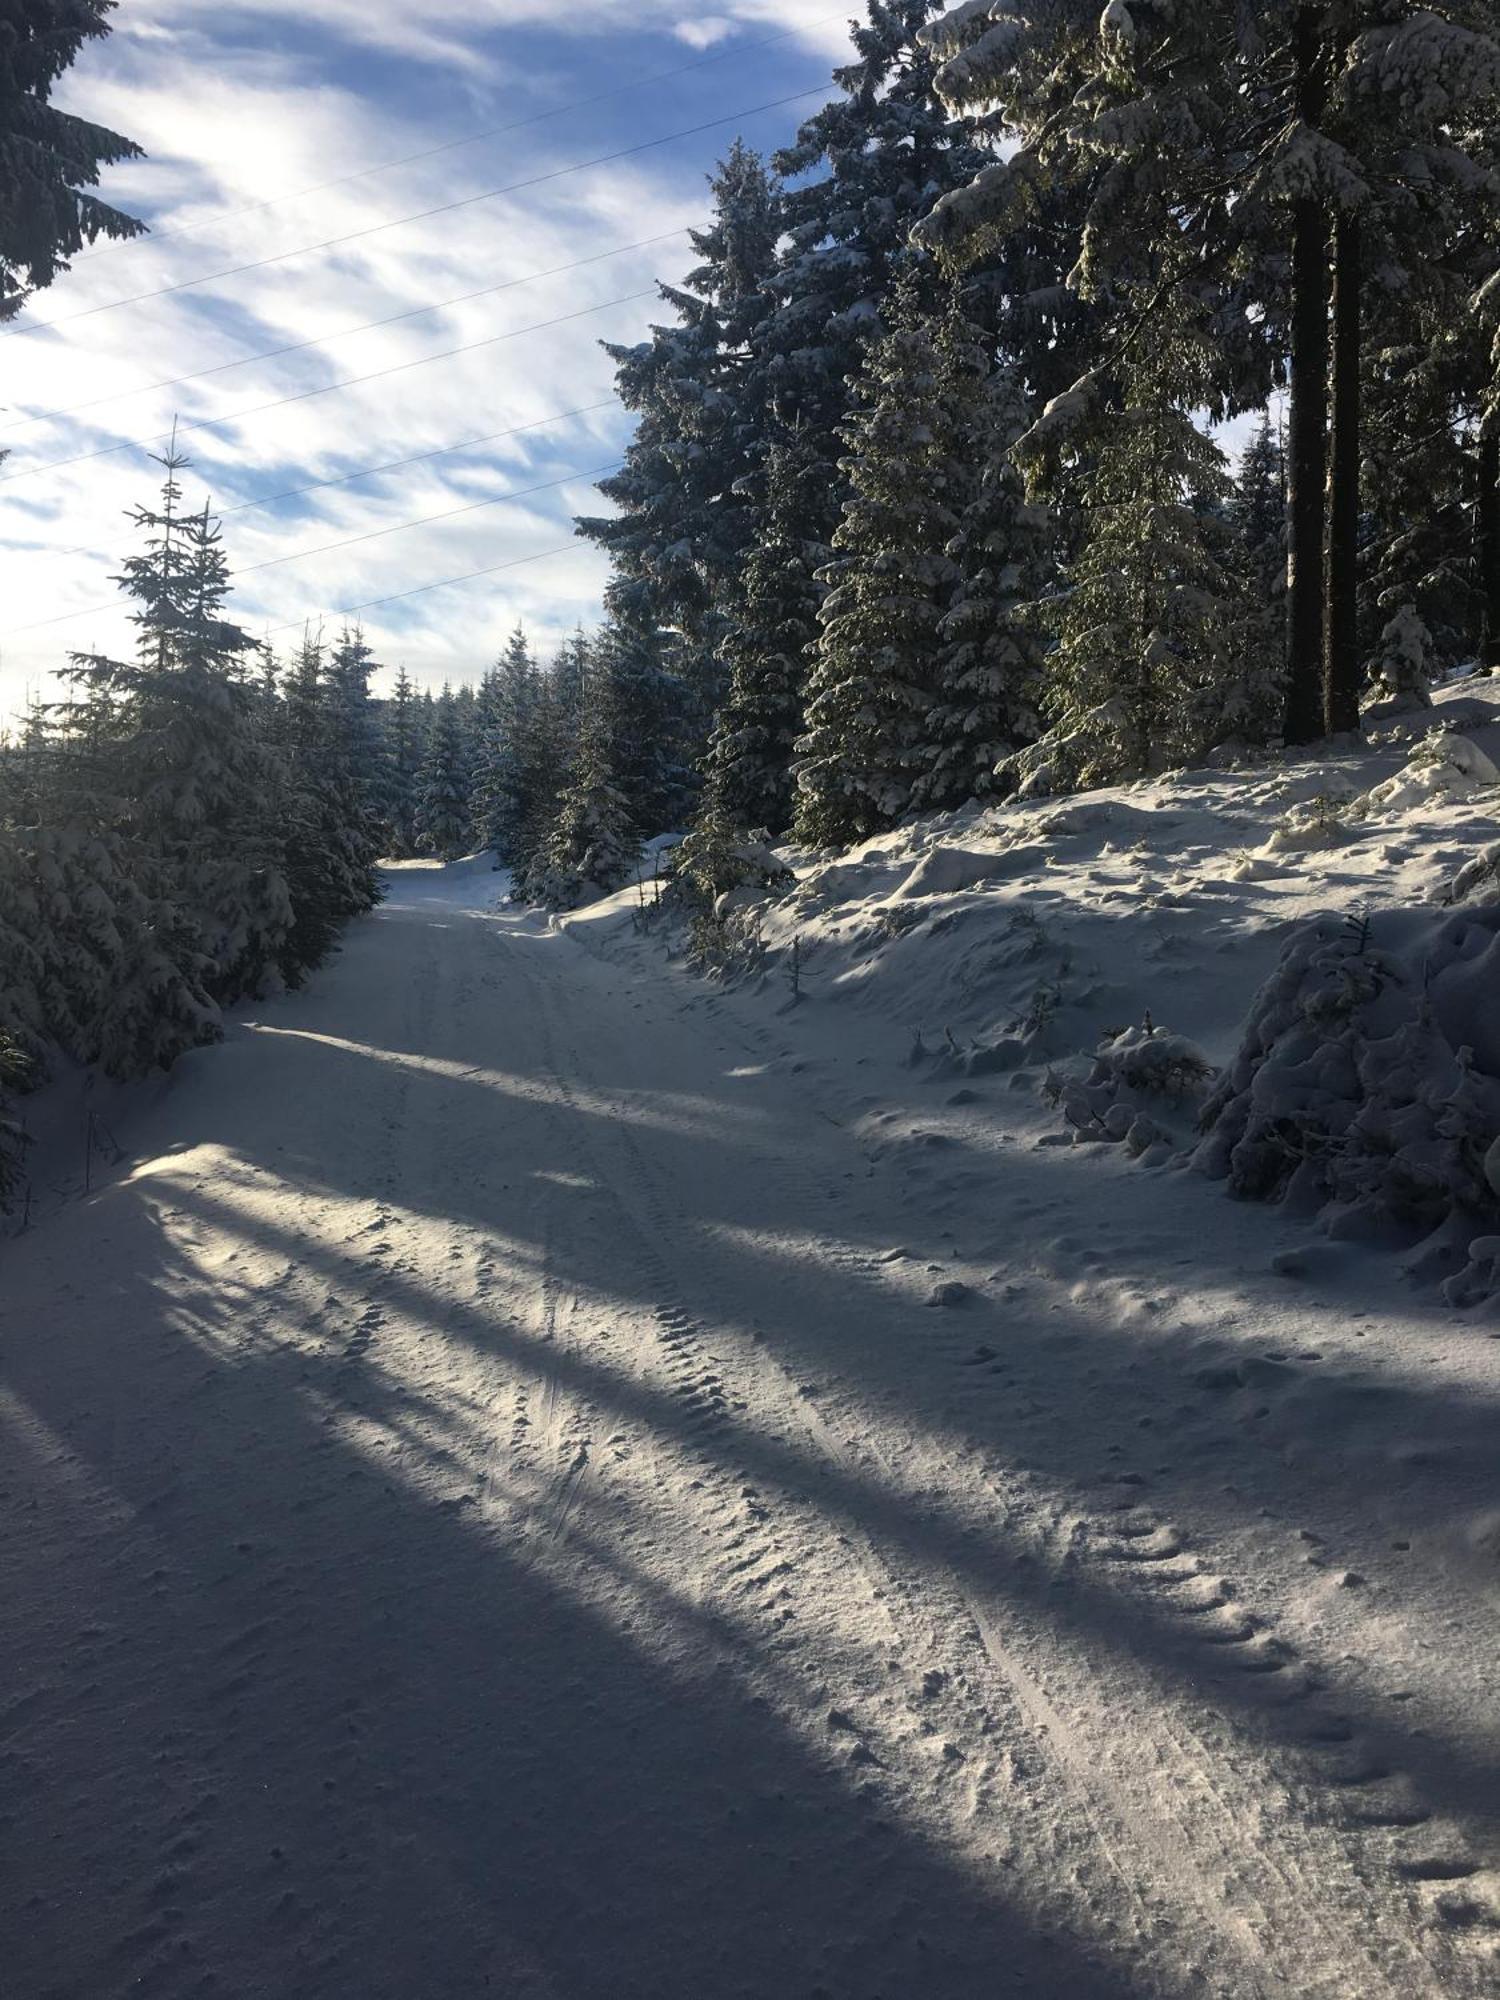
point(187, 826)
point(924, 501)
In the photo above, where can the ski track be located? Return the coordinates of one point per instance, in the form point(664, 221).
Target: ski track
point(487, 1507)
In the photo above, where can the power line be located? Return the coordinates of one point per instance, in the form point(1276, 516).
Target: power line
point(426, 520)
point(371, 471)
point(422, 215)
point(444, 583)
point(453, 145)
point(351, 541)
point(326, 389)
point(346, 333)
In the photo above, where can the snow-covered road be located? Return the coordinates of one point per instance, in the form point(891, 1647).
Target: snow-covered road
point(489, 1506)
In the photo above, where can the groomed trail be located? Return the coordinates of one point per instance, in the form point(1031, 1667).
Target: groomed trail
point(499, 1496)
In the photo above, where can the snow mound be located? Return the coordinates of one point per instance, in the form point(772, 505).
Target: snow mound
point(1445, 766)
point(1367, 1085)
point(1140, 1081)
point(947, 871)
point(999, 951)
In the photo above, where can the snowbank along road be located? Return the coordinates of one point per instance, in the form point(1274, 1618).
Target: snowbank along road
point(513, 1491)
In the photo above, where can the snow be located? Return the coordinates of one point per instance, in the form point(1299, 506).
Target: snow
point(540, 1473)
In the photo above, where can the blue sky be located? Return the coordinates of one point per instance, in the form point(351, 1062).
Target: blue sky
point(237, 105)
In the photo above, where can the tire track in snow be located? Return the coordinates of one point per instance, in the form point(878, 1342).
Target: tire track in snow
point(1279, 1914)
point(925, 1617)
point(1391, 1838)
point(1375, 1808)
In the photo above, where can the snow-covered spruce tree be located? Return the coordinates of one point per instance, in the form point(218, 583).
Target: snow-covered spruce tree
point(330, 865)
point(442, 816)
point(508, 719)
point(862, 171)
point(989, 662)
point(682, 523)
point(1431, 452)
point(1145, 670)
point(1402, 670)
point(1284, 148)
point(1423, 403)
point(592, 846)
point(772, 630)
point(186, 763)
point(403, 757)
point(23, 1011)
point(647, 707)
point(873, 678)
point(1245, 706)
point(553, 747)
point(364, 766)
point(94, 959)
point(1257, 517)
point(49, 159)
point(567, 686)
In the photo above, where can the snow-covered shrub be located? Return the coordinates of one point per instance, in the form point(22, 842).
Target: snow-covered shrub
point(1444, 766)
point(716, 860)
point(725, 941)
point(1367, 1084)
point(1141, 1077)
point(1152, 1061)
point(1318, 822)
point(720, 879)
point(1402, 671)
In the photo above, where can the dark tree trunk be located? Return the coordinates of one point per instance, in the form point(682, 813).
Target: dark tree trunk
point(1342, 685)
point(1489, 551)
point(1307, 469)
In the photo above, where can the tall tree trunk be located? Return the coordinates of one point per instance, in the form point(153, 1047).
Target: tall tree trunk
point(1342, 683)
point(1308, 460)
point(1489, 550)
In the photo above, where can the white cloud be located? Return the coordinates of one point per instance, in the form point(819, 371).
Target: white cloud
point(704, 33)
point(224, 134)
point(463, 33)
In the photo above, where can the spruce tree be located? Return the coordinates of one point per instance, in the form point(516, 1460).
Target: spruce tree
point(325, 809)
point(890, 581)
point(768, 646)
point(186, 764)
point(15, 1075)
point(402, 759)
point(506, 772)
point(593, 845)
point(862, 171)
point(1146, 658)
point(442, 816)
point(49, 159)
point(1402, 671)
point(561, 710)
point(646, 707)
point(682, 523)
point(1252, 701)
point(989, 662)
point(355, 718)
